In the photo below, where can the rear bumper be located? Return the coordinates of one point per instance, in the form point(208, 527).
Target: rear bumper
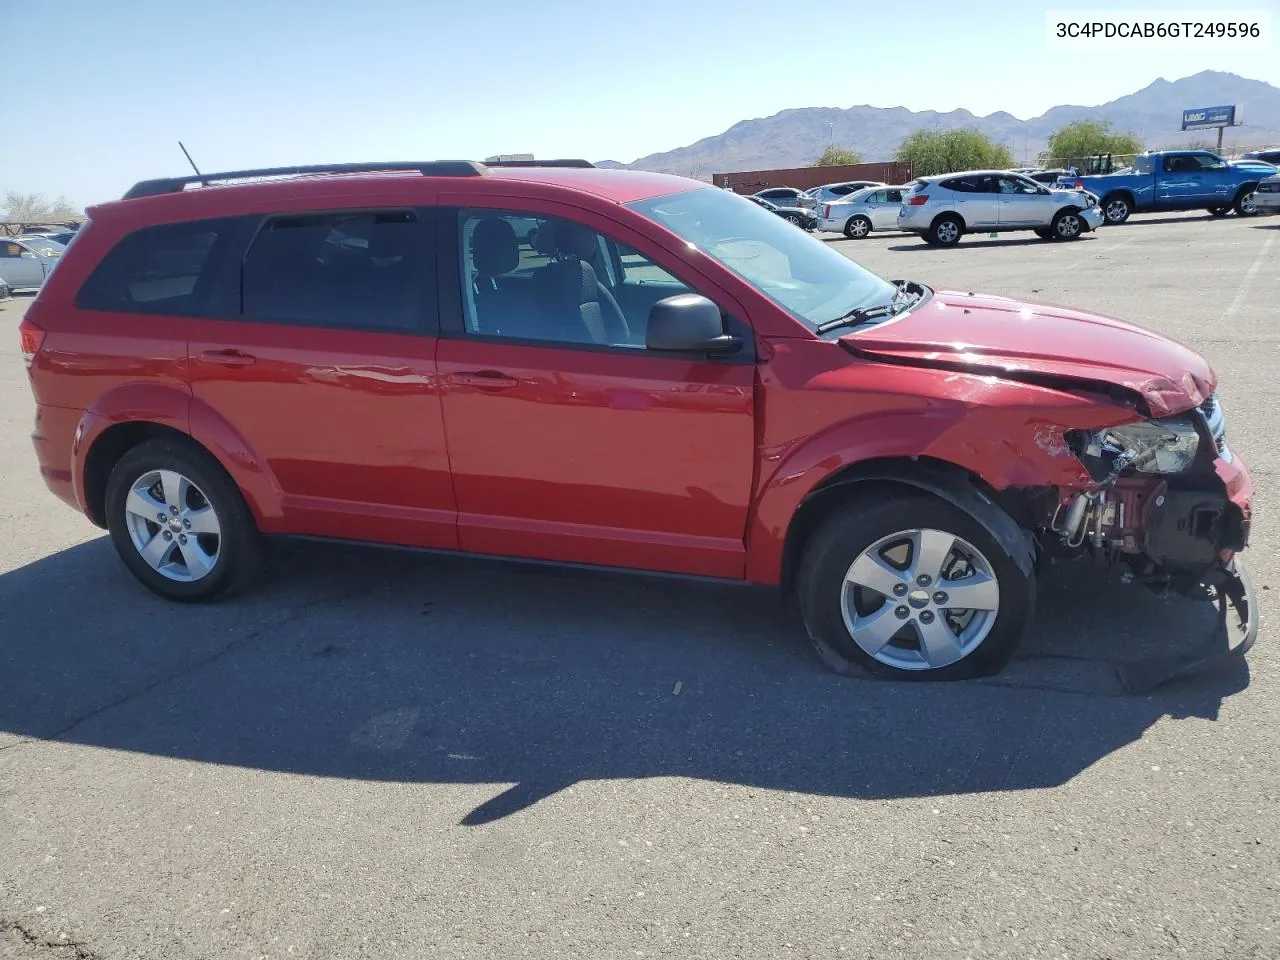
point(54, 438)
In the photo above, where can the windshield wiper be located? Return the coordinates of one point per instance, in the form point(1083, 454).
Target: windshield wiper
point(859, 315)
point(907, 294)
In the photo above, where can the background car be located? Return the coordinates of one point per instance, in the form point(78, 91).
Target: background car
point(943, 208)
point(1267, 196)
point(4, 290)
point(1269, 155)
point(1046, 176)
point(46, 245)
point(801, 217)
point(874, 208)
point(831, 192)
point(787, 197)
point(23, 262)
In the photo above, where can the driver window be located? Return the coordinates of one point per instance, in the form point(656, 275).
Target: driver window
point(10, 250)
point(554, 280)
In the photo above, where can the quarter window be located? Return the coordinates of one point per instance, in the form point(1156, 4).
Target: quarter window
point(165, 269)
point(355, 270)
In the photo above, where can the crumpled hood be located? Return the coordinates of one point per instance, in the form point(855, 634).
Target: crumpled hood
point(1008, 338)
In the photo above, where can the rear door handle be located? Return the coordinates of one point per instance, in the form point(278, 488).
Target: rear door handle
point(228, 358)
point(485, 380)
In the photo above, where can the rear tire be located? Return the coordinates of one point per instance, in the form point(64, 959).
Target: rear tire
point(207, 545)
point(1246, 204)
point(1116, 210)
point(946, 231)
point(857, 227)
point(1219, 211)
point(907, 628)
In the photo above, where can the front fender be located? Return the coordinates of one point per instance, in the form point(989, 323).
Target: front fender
point(1005, 447)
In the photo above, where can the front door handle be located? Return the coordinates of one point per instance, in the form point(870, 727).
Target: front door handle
point(228, 358)
point(485, 380)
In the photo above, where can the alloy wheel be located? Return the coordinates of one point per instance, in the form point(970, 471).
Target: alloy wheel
point(173, 526)
point(1068, 227)
point(920, 599)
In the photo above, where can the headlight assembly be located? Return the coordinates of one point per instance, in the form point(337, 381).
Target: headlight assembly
point(1153, 446)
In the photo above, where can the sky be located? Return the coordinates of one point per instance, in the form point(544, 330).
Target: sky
point(101, 92)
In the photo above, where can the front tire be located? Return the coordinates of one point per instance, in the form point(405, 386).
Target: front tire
point(945, 231)
point(881, 586)
point(179, 522)
point(1067, 225)
point(857, 227)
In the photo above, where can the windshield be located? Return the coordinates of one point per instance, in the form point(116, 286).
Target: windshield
point(797, 271)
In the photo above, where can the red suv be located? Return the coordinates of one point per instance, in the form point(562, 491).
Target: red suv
point(618, 369)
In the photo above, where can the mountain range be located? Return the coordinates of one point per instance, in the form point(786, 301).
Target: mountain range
point(795, 137)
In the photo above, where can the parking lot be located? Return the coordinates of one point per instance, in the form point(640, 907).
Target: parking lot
point(391, 755)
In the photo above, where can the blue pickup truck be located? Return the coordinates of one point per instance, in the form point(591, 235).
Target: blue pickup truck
point(1177, 180)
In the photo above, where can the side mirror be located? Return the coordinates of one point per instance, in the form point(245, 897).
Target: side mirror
point(688, 322)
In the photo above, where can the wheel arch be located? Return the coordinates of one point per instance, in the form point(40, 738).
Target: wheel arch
point(948, 481)
point(134, 414)
point(949, 215)
point(1118, 193)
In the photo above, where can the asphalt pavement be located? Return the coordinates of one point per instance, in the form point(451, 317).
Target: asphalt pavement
point(384, 754)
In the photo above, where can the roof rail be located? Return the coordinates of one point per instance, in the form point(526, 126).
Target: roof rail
point(433, 168)
point(437, 168)
point(539, 163)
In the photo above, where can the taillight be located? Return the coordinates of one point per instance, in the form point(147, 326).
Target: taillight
point(919, 200)
point(1079, 184)
point(826, 212)
point(32, 338)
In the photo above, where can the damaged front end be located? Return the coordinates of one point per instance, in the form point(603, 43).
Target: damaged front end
point(1171, 504)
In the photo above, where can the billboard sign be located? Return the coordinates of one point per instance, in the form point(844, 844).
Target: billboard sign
point(1201, 117)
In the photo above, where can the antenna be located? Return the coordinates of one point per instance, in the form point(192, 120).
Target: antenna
point(189, 160)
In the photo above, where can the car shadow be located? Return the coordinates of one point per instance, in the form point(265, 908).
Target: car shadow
point(389, 666)
point(978, 240)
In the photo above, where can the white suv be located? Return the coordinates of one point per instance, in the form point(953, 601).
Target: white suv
point(942, 209)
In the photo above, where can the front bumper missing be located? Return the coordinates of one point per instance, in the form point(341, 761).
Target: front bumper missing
point(1233, 635)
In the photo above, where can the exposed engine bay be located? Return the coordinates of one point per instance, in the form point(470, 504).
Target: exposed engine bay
point(1158, 505)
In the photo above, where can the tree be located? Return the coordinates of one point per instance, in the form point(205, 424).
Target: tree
point(945, 151)
point(35, 208)
point(1085, 138)
point(835, 156)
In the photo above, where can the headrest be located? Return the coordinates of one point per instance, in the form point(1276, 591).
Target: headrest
point(494, 247)
point(575, 240)
point(545, 242)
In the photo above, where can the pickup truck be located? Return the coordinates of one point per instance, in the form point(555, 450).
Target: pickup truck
point(1177, 180)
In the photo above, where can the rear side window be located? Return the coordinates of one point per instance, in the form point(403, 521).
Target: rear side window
point(354, 270)
point(165, 269)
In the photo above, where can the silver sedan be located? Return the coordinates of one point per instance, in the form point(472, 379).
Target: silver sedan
point(26, 261)
point(873, 208)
